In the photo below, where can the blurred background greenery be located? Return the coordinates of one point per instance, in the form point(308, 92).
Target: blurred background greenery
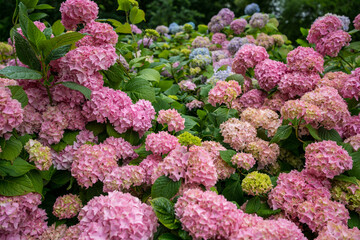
point(292, 14)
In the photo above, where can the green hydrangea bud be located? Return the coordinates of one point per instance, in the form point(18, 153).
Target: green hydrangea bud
point(279, 40)
point(174, 52)
point(256, 183)
point(188, 28)
point(202, 28)
point(152, 33)
point(39, 154)
point(187, 139)
point(348, 194)
point(195, 71)
point(185, 51)
point(166, 46)
point(5, 49)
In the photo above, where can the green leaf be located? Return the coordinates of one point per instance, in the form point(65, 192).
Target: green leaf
point(57, 53)
point(47, 45)
point(37, 16)
point(139, 88)
point(61, 177)
point(184, 235)
point(165, 85)
point(204, 91)
point(70, 137)
point(201, 114)
point(18, 93)
point(124, 5)
point(58, 28)
point(11, 150)
point(115, 74)
point(253, 205)
point(355, 171)
point(136, 15)
point(59, 146)
point(190, 122)
point(25, 52)
point(165, 187)
point(345, 178)
point(16, 186)
point(47, 174)
point(233, 192)
point(75, 86)
point(168, 236)
point(265, 211)
point(332, 134)
point(282, 133)
point(227, 155)
point(23, 18)
point(36, 179)
point(164, 210)
point(15, 72)
point(313, 132)
point(95, 127)
point(304, 31)
point(173, 90)
point(124, 28)
point(17, 168)
point(34, 35)
point(222, 114)
point(43, 6)
point(111, 131)
point(30, 3)
point(354, 220)
point(150, 75)
point(237, 77)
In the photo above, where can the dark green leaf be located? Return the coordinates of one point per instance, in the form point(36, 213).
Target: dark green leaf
point(233, 192)
point(18, 93)
point(265, 211)
point(61, 177)
point(164, 210)
point(95, 127)
point(16, 186)
point(174, 89)
point(70, 137)
point(253, 205)
point(282, 133)
point(34, 35)
point(15, 72)
point(190, 122)
point(48, 45)
point(237, 77)
point(48, 32)
point(23, 18)
point(25, 52)
point(11, 150)
point(204, 91)
point(227, 155)
point(44, 6)
point(139, 88)
point(355, 171)
point(111, 131)
point(313, 132)
point(58, 28)
point(222, 114)
point(58, 53)
point(17, 168)
point(131, 136)
point(354, 220)
point(165, 187)
point(332, 135)
point(74, 86)
point(115, 74)
point(36, 179)
point(345, 178)
point(168, 236)
point(59, 146)
point(184, 235)
point(47, 174)
point(37, 16)
point(30, 3)
point(165, 85)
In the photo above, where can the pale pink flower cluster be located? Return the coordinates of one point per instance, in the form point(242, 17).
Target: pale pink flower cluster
point(67, 206)
point(39, 154)
point(264, 152)
point(223, 169)
point(237, 133)
point(305, 59)
point(327, 159)
point(172, 118)
point(264, 118)
point(298, 83)
point(74, 12)
point(334, 231)
point(275, 102)
point(351, 88)
point(243, 160)
point(269, 73)
point(31, 123)
point(224, 92)
point(53, 125)
point(248, 56)
point(122, 149)
point(149, 164)
point(318, 212)
point(92, 163)
point(194, 104)
point(218, 38)
point(11, 113)
point(254, 98)
point(54, 232)
point(187, 85)
point(333, 106)
point(201, 42)
point(265, 41)
point(238, 25)
point(7, 82)
point(222, 62)
point(117, 216)
point(62, 94)
point(21, 217)
point(161, 143)
point(145, 41)
point(122, 178)
point(333, 79)
point(354, 141)
point(101, 34)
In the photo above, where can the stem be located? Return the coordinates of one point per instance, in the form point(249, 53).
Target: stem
point(297, 133)
point(132, 34)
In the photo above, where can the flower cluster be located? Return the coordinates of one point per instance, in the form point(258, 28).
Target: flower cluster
point(335, 80)
point(39, 154)
point(243, 160)
point(224, 92)
point(194, 104)
point(187, 139)
point(259, 20)
point(351, 87)
point(100, 34)
point(356, 22)
point(347, 194)
point(161, 143)
point(238, 25)
point(11, 113)
point(172, 118)
point(248, 56)
point(354, 141)
point(74, 12)
point(216, 24)
point(265, 40)
point(264, 152)
point(162, 29)
point(67, 206)
point(122, 178)
point(148, 165)
point(337, 231)
point(251, 8)
point(218, 38)
point(235, 44)
point(227, 15)
point(201, 42)
point(187, 85)
point(199, 51)
point(256, 183)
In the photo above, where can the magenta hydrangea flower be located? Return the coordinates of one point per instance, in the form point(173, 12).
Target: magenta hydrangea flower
point(356, 22)
point(172, 118)
point(224, 92)
point(161, 143)
point(327, 159)
point(254, 98)
point(354, 141)
point(237, 133)
point(39, 154)
point(264, 152)
point(187, 85)
point(11, 113)
point(32, 123)
point(298, 83)
point(218, 38)
point(275, 102)
point(194, 104)
point(248, 56)
point(149, 164)
point(238, 25)
point(74, 12)
point(334, 231)
point(351, 126)
point(243, 160)
point(305, 59)
point(101, 34)
point(322, 27)
point(269, 73)
point(332, 43)
point(122, 178)
point(351, 87)
point(67, 206)
point(73, 116)
point(54, 232)
point(117, 215)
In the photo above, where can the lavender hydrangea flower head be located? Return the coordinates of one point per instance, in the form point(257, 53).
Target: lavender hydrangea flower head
point(216, 24)
point(227, 15)
point(236, 43)
point(199, 51)
point(162, 29)
point(252, 8)
point(259, 20)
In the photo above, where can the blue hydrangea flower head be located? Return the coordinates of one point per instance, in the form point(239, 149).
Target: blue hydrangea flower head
point(251, 9)
point(174, 28)
point(192, 24)
point(199, 51)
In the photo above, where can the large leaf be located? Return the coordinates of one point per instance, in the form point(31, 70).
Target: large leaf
point(139, 88)
point(282, 133)
point(136, 15)
point(30, 3)
point(168, 236)
point(37, 16)
point(222, 114)
point(354, 220)
point(265, 211)
point(11, 150)
point(15, 186)
point(65, 39)
point(164, 210)
point(57, 53)
point(18, 93)
point(44, 6)
point(253, 205)
point(355, 171)
point(25, 52)
point(233, 191)
point(58, 28)
point(345, 178)
point(332, 135)
point(124, 28)
point(75, 86)
point(226, 155)
point(313, 132)
point(15, 72)
point(165, 187)
point(190, 122)
point(150, 75)
point(17, 168)
point(36, 179)
point(70, 137)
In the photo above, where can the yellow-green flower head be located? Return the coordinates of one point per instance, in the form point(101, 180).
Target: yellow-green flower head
point(5, 49)
point(187, 139)
point(195, 71)
point(348, 194)
point(185, 51)
point(174, 51)
point(166, 46)
point(152, 33)
point(202, 28)
point(39, 154)
point(256, 183)
point(188, 28)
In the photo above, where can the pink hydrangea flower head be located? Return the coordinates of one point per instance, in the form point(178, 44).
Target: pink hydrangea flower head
point(356, 22)
point(73, 116)
point(269, 73)
point(187, 85)
point(322, 27)
point(298, 83)
point(237, 133)
point(122, 178)
point(299, 109)
point(238, 25)
point(74, 12)
point(122, 149)
point(62, 94)
point(117, 215)
point(7, 82)
point(224, 92)
point(305, 59)
point(332, 43)
point(333, 79)
point(149, 164)
point(218, 38)
point(351, 87)
point(172, 118)
point(254, 98)
point(53, 125)
point(67, 206)
point(243, 160)
point(101, 34)
point(351, 126)
point(11, 113)
point(264, 152)
point(32, 123)
point(216, 24)
point(354, 141)
point(39, 154)
point(248, 56)
point(54, 232)
point(327, 159)
point(194, 104)
point(161, 143)
point(333, 231)
point(275, 102)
